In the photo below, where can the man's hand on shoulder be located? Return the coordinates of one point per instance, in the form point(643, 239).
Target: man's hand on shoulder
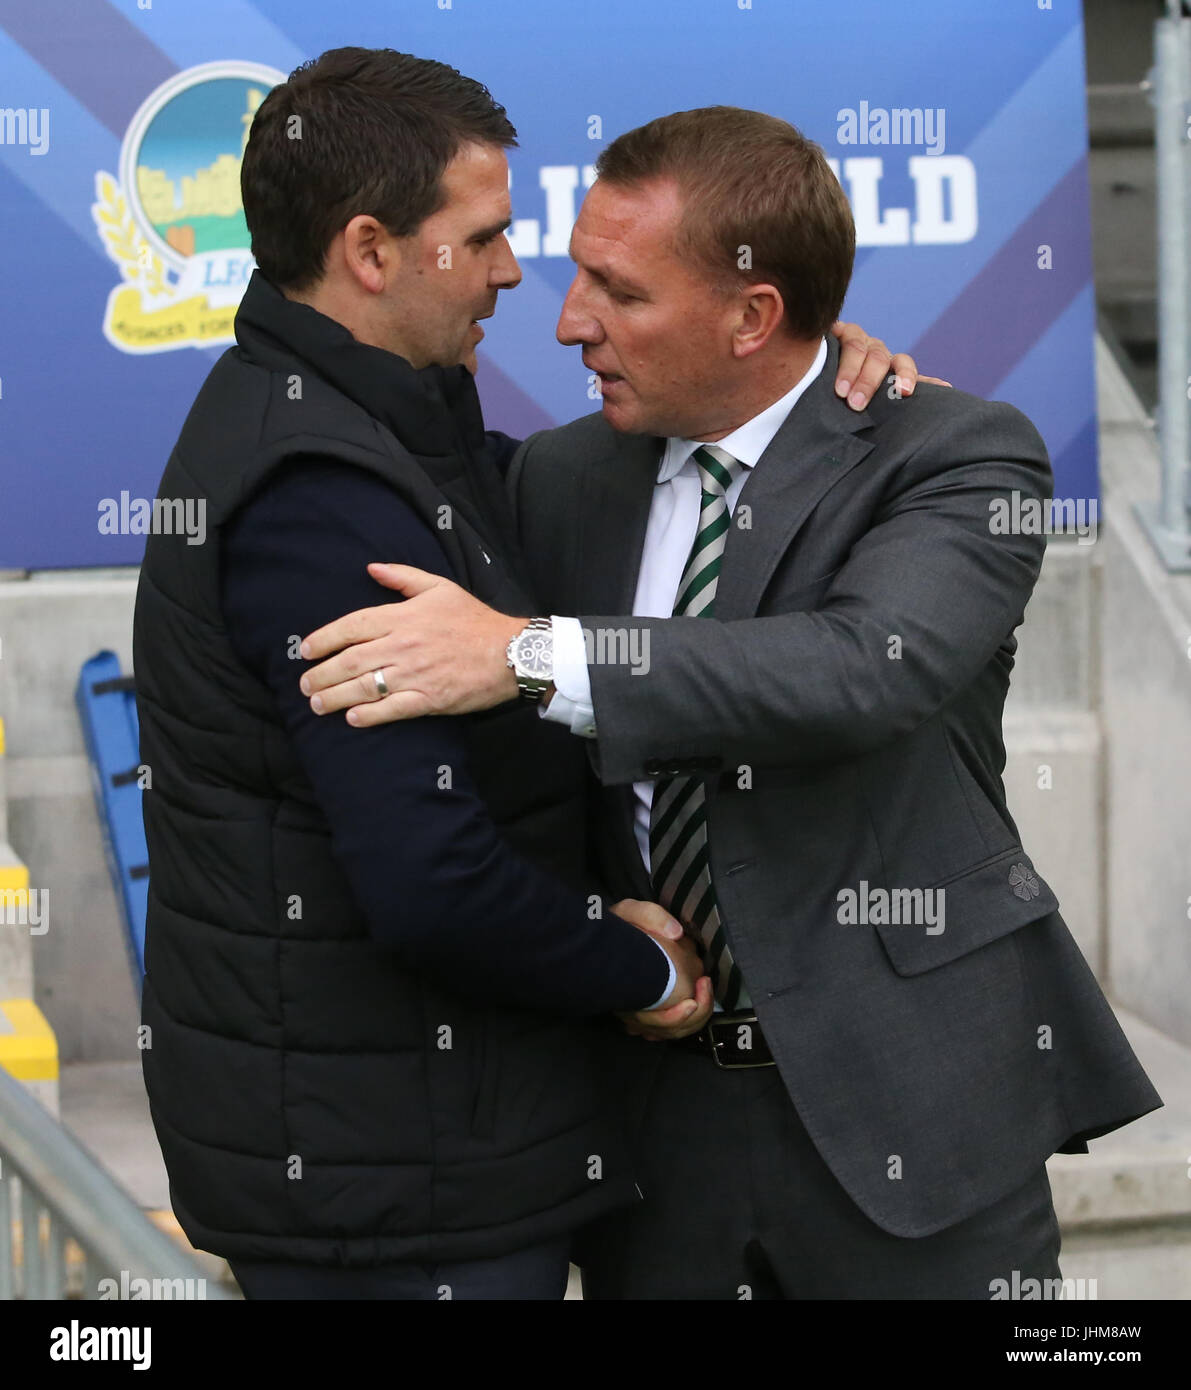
point(865, 364)
point(440, 651)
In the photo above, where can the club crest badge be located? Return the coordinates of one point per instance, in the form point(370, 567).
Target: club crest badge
point(172, 220)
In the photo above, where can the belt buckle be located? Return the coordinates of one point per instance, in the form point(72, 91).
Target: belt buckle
point(734, 1022)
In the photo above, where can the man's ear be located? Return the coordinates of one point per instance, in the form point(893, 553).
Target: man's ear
point(761, 315)
point(370, 252)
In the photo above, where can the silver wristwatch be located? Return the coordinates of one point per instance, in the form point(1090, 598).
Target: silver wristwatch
point(530, 655)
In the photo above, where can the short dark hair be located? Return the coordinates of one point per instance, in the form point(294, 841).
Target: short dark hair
point(750, 180)
point(373, 133)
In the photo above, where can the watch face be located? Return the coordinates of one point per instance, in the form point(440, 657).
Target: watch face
point(534, 654)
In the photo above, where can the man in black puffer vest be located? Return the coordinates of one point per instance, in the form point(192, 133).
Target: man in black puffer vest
point(374, 970)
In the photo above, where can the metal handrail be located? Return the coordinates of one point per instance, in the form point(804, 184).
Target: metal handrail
point(61, 1181)
point(1168, 521)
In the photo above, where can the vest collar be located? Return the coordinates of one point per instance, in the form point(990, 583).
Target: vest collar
point(434, 411)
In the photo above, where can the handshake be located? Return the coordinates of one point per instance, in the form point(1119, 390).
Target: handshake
point(689, 1004)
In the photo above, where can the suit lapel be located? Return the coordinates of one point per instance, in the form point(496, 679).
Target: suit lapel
point(617, 493)
point(618, 490)
point(816, 446)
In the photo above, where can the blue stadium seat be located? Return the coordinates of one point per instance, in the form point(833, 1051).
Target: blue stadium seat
point(107, 710)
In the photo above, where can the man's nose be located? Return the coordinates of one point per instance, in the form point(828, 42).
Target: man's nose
point(575, 323)
point(506, 273)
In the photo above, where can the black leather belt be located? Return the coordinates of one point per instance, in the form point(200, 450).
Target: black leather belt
point(732, 1041)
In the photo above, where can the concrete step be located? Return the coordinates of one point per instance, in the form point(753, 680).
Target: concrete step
point(16, 946)
point(28, 1047)
point(1125, 1207)
point(3, 784)
point(16, 941)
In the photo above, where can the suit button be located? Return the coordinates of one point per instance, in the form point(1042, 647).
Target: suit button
point(653, 768)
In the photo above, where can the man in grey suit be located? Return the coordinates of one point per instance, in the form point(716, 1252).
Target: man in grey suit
point(795, 633)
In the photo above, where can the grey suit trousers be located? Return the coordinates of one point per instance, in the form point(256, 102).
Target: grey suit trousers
point(738, 1204)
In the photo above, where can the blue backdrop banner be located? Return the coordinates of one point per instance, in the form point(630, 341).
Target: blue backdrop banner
point(958, 132)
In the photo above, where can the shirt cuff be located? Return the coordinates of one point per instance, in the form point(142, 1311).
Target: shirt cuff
point(571, 702)
point(669, 983)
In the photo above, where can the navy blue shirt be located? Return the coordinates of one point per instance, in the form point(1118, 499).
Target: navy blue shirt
point(436, 881)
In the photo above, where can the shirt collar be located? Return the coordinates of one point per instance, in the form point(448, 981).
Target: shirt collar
point(751, 440)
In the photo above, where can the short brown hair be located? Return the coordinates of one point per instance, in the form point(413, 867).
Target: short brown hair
point(750, 180)
point(375, 131)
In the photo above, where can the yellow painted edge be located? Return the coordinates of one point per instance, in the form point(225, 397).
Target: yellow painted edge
point(26, 1017)
point(30, 1053)
point(13, 879)
point(165, 1220)
point(1, 738)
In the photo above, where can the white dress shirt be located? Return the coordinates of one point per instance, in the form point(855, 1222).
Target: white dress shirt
point(673, 521)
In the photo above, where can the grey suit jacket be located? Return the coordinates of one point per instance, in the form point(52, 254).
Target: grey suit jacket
point(844, 707)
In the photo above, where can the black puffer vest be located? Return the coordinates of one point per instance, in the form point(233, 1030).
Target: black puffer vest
point(314, 1101)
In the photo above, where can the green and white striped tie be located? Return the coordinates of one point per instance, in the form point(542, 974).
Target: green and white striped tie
point(679, 862)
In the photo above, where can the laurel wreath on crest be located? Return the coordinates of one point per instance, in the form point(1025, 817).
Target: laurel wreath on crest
point(137, 260)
